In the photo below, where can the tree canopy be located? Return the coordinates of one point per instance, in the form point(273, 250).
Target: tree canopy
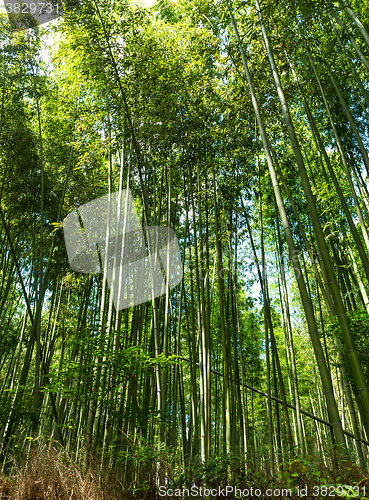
point(243, 126)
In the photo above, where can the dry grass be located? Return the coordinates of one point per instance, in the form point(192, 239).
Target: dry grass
point(52, 475)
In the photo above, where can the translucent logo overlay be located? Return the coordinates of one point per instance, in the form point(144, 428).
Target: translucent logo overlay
point(105, 235)
point(25, 14)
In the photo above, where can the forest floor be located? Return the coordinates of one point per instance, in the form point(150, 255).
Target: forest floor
point(49, 474)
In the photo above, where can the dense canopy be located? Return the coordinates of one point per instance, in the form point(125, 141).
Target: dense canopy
point(243, 126)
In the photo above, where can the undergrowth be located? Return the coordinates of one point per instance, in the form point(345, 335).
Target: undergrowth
point(49, 473)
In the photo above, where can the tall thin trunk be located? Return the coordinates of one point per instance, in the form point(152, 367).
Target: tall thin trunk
point(290, 342)
point(353, 43)
point(323, 249)
point(321, 149)
point(358, 23)
point(309, 313)
point(267, 328)
point(223, 327)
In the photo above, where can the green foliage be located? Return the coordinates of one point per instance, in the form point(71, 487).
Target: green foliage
point(157, 100)
point(359, 323)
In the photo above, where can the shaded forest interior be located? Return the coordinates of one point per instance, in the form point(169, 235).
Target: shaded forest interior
point(243, 127)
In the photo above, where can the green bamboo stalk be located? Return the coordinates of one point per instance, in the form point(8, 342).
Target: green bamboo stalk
point(309, 313)
point(321, 242)
point(223, 327)
point(352, 40)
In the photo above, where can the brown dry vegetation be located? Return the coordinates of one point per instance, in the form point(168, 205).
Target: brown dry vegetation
point(49, 473)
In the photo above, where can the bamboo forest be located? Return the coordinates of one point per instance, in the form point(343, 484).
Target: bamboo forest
point(236, 132)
